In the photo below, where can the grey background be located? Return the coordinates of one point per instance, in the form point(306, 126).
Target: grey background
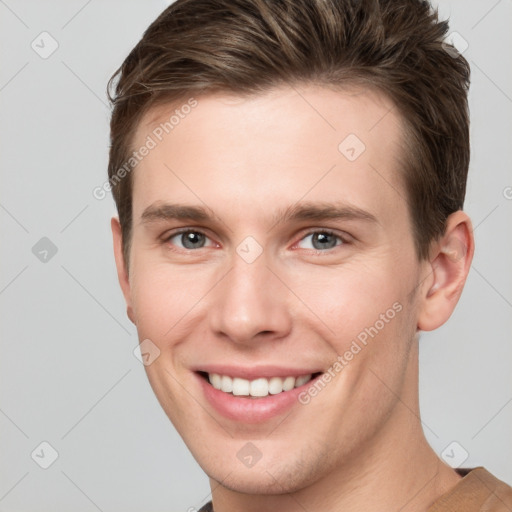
point(68, 373)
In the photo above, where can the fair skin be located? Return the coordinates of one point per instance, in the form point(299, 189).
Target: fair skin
point(358, 444)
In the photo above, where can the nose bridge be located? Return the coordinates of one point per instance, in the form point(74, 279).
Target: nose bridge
point(249, 301)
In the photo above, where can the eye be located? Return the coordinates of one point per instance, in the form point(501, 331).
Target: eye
point(320, 240)
point(189, 239)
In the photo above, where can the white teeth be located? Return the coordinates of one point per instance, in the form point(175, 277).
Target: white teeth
point(288, 383)
point(215, 380)
point(258, 387)
point(300, 381)
point(240, 387)
point(226, 384)
point(275, 385)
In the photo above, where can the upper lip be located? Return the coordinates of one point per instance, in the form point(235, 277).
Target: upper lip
point(255, 372)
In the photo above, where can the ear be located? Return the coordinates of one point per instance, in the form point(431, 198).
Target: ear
point(122, 270)
point(450, 261)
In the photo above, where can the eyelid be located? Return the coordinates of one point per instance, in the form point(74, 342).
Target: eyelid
point(345, 237)
point(166, 237)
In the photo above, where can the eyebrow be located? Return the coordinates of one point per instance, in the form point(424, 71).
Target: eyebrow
point(299, 212)
point(166, 211)
point(319, 211)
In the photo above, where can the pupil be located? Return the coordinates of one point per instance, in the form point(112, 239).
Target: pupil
point(323, 241)
point(192, 240)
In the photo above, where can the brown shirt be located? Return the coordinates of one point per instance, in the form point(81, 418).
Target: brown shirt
point(476, 491)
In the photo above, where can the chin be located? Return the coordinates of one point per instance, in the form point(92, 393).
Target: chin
point(260, 482)
point(270, 477)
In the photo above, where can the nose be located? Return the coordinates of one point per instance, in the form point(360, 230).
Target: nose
point(250, 304)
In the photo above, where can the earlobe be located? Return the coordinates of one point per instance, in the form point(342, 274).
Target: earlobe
point(122, 271)
point(450, 262)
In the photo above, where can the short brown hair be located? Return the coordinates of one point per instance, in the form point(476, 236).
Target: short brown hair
point(249, 46)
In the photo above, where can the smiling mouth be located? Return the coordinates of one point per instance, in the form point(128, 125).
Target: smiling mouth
point(256, 388)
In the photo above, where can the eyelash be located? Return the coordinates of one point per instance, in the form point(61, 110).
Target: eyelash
point(343, 239)
point(318, 252)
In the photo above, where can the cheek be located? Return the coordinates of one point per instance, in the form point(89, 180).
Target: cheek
point(371, 324)
point(352, 298)
point(164, 298)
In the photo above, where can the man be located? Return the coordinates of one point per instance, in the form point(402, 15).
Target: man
point(289, 177)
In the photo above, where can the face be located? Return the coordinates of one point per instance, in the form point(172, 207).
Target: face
point(272, 257)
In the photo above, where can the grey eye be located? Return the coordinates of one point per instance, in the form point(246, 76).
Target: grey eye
point(320, 240)
point(189, 240)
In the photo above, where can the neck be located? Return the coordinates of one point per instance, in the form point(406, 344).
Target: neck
point(394, 471)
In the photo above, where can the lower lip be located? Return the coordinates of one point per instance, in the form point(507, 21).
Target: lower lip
point(251, 410)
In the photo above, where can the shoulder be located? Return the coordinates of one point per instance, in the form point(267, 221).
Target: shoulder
point(477, 491)
point(206, 508)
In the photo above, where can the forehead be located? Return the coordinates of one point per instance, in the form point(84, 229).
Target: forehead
point(271, 150)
